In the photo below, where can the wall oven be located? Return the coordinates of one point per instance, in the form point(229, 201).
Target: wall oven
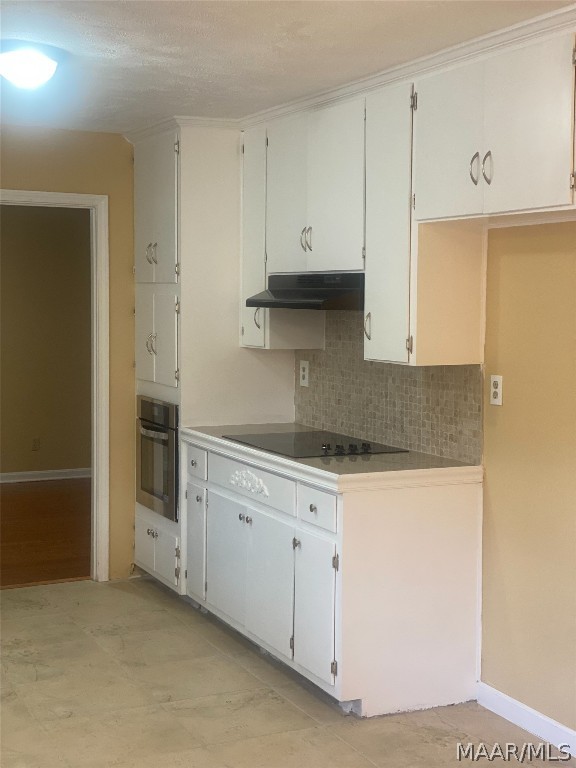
point(157, 456)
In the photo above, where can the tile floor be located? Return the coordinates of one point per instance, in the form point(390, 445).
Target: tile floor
point(127, 675)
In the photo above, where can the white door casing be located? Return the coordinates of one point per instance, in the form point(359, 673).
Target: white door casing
point(98, 206)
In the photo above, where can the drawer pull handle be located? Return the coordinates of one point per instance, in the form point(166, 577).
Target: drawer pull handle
point(249, 520)
point(198, 498)
point(313, 508)
point(193, 463)
point(150, 531)
point(249, 482)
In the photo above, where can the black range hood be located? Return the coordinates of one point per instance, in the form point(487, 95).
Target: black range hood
point(321, 290)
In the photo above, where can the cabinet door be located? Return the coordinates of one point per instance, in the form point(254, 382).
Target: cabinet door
point(155, 208)
point(165, 556)
point(529, 113)
point(165, 340)
point(314, 602)
point(448, 135)
point(287, 147)
point(196, 540)
point(253, 235)
point(143, 544)
point(226, 542)
point(388, 192)
point(270, 580)
point(144, 331)
point(336, 186)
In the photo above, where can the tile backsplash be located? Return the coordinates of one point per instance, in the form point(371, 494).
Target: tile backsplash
point(436, 409)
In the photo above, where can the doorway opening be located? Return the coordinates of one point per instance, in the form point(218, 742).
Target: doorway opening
point(54, 388)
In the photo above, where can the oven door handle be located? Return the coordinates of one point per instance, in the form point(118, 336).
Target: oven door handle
point(153, 434)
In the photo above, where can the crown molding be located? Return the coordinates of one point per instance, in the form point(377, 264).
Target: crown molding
point(548, 25)
point(181, 121)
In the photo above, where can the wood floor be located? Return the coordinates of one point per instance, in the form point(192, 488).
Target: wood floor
point(44, 531)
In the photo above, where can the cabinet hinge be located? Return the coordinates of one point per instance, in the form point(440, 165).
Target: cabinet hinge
point(573, 181)
point(410, 344)
point(266, 140)
point(414, 201)
point(186, 573)
point(364, 253)
point(242, 148)
point(292, 643)
point(242, 330)
point(177, 306)
point(336, 562)
point(177, 374)
point(205, 587)
point(574, 57)
point(414, 101)
point(185, 494)
point(134, 269)
point(265, 257)
point(334, 667)
point(177, 572)
point(177, 147)
point(177, 553)
point(177, 268)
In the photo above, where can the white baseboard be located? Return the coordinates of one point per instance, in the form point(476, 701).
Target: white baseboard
point(527, 718)
point(46, 474)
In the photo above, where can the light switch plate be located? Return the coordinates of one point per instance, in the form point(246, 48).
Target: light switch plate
point(304, 369)
point(495, 390)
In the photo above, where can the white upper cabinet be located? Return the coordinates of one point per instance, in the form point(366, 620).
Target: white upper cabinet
point(528, 127)
point(286, 181)
point(335, 194)
point(155, 208)
point(448, 142)
point(388, 210)
point(156, 340)
point(497, 136)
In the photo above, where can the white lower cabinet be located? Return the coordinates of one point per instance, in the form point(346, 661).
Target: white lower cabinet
point(314, 604)
point(367, 585)
point(157, 548)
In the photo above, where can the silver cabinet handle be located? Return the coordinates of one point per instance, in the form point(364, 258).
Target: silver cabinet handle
point(313, 508)
point(302, 243)
point(248, 520)
point(150, 531)
point(308, 239)
point(241, 517)
point(198, 498)
point(488, 179)
point(256, 323)
point(475, 159)
point(153, 338)
point(148, 340)
point(368, 319)
point(148, 254)
point(296, 543)
point(154, 434)
point(153, 253)
point(193, 462)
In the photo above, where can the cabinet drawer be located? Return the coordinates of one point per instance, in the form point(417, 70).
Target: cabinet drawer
point(196, 462)
point(317, 507)
point(253, 483)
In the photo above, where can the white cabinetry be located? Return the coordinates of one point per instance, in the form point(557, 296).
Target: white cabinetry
point(195, 498)
point(157, 547)
point(157, 333)
point(155, 208)
point(264, 328)
point(497, 136)
point(326, 572)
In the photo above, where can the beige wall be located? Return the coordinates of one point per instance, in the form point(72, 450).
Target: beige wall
point(45, 338)
point(98, 164)
point(529, 613)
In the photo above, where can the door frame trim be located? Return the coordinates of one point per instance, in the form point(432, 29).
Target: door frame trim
point(99, 257)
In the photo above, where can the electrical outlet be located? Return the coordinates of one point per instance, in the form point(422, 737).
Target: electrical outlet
point(495, 390)
point(304, 369)
point(35, 443)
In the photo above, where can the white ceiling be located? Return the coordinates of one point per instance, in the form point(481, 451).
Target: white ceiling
point(133, 63)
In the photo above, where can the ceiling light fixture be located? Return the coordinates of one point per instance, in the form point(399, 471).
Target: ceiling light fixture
point(25, 66)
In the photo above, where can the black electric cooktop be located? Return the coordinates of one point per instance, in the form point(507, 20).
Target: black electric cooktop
point(307, 445)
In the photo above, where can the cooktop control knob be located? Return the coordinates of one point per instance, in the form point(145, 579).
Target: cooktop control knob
point(340, 451)
point(352, 448)
point(366, 447)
